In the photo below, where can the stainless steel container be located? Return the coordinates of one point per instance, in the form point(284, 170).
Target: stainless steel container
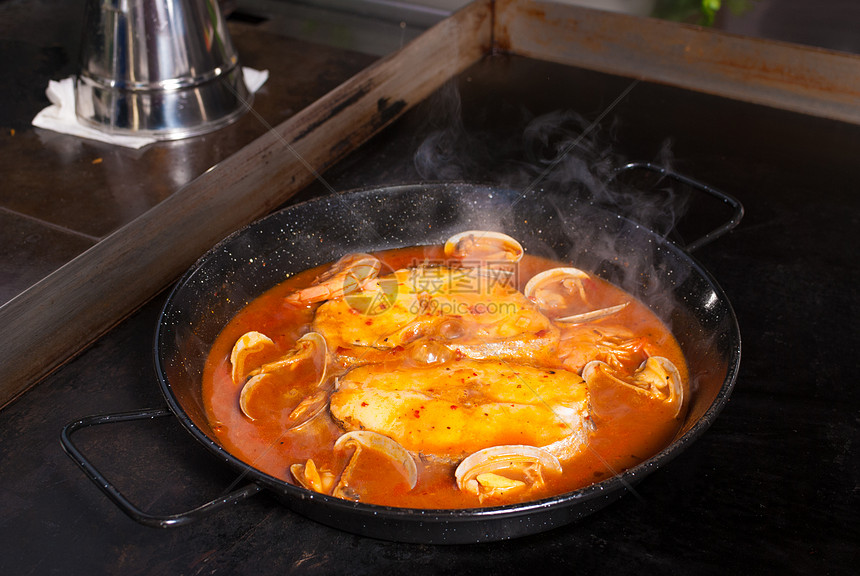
point(165, 69)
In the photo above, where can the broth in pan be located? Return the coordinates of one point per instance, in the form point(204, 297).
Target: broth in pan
point(450, 376)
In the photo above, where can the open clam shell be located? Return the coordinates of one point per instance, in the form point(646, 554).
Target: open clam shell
point(497, 460)
point(309, 476)
point(247, 344)
point(559, 290)
point(367, 439)
point(483, 246)
point(311, 347)
point(555, 289)
point(657, 376)
point(307, 410)
point(277, 385)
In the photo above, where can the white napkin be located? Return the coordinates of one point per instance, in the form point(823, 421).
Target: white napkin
point(254, 79)
point(60, 115)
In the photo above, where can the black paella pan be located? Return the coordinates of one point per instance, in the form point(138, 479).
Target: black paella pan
point(244, 265)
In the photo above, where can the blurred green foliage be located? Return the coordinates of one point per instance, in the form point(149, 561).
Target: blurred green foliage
point(701, 12)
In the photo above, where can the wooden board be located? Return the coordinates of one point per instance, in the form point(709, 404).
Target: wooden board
point(791, 77)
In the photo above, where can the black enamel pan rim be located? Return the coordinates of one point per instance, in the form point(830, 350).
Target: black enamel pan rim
point(618, 483)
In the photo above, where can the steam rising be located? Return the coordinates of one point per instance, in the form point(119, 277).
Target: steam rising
point(564, 161)
point(450, 152)
point(568, 164)
point(553, 158)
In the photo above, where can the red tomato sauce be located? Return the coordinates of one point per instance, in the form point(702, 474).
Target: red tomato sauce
point(629, 427)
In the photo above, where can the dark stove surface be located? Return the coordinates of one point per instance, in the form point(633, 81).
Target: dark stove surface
point(772, 487)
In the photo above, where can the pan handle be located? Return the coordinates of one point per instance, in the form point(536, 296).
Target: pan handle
point(117, 497)
point(731, 201)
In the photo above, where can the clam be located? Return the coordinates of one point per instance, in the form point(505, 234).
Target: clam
point(247, 344)
point(311, 347)
point(369, 440)
point(556, 287)
point(312, 478)
point(307, 410)
point(361, 441)
point(293, 380)
point(484, 246)
point(657, 377)
point(252, 391)
point(559, 290)
point(502, 469)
